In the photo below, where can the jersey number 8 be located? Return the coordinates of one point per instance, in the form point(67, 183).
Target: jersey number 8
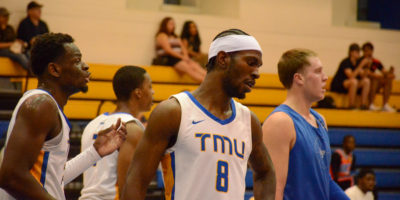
point(222, 181)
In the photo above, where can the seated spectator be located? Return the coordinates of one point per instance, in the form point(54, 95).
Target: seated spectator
point(190, 37)
point(364, 187)
point(32, 25)
point(170, 52)
point(343, 163)
point(384, 79)
point(349, 78)
point(9, 46)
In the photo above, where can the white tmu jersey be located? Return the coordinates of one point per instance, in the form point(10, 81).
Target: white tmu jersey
point(209, 158)
point(49, 167)
point(100, 180)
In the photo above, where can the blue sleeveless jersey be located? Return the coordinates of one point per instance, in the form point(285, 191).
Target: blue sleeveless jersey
point(308, 174)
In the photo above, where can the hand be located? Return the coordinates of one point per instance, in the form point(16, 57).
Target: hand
point(391, 70)
point(110, 139)
point(186, 58)
point(366, 62)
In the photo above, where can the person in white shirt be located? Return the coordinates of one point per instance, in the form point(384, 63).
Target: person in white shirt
point(364, 187)
point(132, 87)
point(35, 155)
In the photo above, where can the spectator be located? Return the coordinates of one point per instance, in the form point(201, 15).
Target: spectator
point(350, 77)
point(365, 186)
point(170, 52)
point(378, 80)
point(32, 25)
point(9, 46)
point(343, 163)
point(190, 37)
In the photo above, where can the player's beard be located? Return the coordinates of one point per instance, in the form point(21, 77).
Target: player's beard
point(229, 86)
point(72, 89)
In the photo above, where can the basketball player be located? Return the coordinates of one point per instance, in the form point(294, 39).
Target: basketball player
point(296, 135)
point(35, 158)
point(132, 87)
point(204, 139)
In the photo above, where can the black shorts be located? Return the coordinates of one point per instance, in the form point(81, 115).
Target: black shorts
point(339, 88)
point(166, 60)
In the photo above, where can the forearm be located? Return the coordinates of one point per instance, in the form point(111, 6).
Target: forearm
point(24, 186)
point(176, 54)
point(80, 163)
point(264, 186)
point(136, 191)
point(5, 45)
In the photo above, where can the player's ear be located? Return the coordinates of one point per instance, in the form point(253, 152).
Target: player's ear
point(223, 59)
point(138, 93)
point(54, 69)
point(298, 78)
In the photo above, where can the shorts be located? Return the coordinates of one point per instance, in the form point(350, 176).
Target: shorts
point(166, 60)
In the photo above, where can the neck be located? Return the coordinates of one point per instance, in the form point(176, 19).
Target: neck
point(34, 20)
point(298, 102)
point(346, 151)
point(364, 190)
point(212, 96)
point(126, 107)
point(353, 60)
point(56, 91)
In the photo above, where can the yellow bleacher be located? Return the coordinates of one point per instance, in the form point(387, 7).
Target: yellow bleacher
point(267, 94)
point(334, 117)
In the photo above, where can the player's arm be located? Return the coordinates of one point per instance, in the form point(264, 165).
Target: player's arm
point(160, 133)
point(134, 134)
point(107, 141)
point(279, 136)
point(37, 121)
point(260, 161)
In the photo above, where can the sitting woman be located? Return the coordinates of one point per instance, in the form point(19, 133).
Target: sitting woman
point(191, 41)
point(170, 52)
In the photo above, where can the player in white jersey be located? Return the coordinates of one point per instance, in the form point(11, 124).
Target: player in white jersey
point(35, 157)
point(132, 87)
point(204, 138)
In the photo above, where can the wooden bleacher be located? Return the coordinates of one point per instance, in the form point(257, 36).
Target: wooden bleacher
point(268, 93)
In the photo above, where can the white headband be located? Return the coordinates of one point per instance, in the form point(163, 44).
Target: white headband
point(231, 43)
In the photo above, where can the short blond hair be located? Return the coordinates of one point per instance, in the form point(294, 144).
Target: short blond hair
point(291, 62)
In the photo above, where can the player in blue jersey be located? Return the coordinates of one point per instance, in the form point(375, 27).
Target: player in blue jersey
point(296, 135)
point(204, 139)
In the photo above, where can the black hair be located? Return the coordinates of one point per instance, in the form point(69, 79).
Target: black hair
point(346, 137)
point(354, 47)
point(363, 172)
point(369, 45)
point(126, 79)
point(47, 48)
point(211, 62)
point(186, 33)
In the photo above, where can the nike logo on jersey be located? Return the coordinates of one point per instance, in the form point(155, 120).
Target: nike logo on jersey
point(196, 122)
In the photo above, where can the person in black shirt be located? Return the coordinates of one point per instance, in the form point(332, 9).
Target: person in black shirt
point(32, 25)
point(8, 41)
point(350, 77)
point(384, 79)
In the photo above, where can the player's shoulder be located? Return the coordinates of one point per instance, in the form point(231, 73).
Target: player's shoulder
point(39, 103)
point(167, 108)
point(279, 117)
